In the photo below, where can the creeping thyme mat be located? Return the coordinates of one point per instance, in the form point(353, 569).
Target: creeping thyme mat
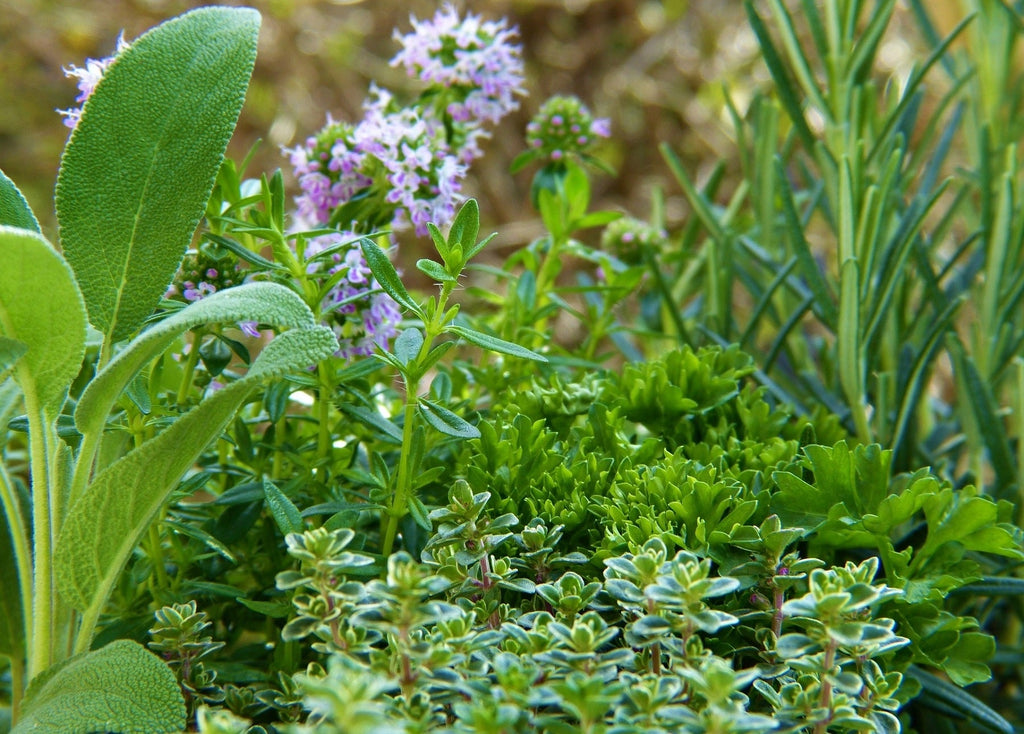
point(629, 477)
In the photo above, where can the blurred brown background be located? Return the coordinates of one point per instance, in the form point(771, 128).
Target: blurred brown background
point(657, 69)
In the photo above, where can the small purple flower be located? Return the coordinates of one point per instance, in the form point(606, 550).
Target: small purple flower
point(359, 314)
point(88, 77)
point(250, 328)
point(475, 59)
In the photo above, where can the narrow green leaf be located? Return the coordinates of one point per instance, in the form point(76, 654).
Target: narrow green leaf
point(274, 609)
point(851, 374)
point(696, 199)
point(982, 403)
point(105, 523)
point(597, 219)
point(787, 93)
point(466, 225)
point(374, 420)
point(440, 243)
point(954, 699)
point(244, 253)
point(14, 210)
point(121, 687)
point(408, 344)
point(824, 299)
point(52, 328)
point(495, 344)
point(475, 249)
point(139, 168)
point(268, 303)
point(419, 513)
point(433, 270)
point(386, 275)
point(285, 513)
point(993, 586)
point(446, 421)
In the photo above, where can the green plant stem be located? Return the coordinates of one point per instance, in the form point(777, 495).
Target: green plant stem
point(547, 274)
point(156, 556)
point(190, 368)
point(826, 687)
point(42, 439)
point(403, 484)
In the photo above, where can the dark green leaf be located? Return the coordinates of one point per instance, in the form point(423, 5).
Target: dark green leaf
point(419, 513)
point(495, 344)
point(386, 275)
point(14, 210)
point(408, 345)
point(285, 513)
point(435, 271)
point(446, 421)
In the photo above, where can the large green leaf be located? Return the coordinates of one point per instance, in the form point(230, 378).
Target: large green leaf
point(267, 303)
point(104, 524)
point(140, 165)
point(41, 307)
point(14, 210)
point(119, 688)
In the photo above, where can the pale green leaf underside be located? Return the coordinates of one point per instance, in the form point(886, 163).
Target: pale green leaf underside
point(267, 303)
point(139, 168)
point(14, 210)
point(120, 688)
point(105, 523)
point(11, 350)
point(51, 328)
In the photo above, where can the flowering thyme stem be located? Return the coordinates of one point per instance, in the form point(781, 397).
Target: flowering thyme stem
point(403, 483)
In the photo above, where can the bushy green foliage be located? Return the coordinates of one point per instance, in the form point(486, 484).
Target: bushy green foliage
point(478, 527)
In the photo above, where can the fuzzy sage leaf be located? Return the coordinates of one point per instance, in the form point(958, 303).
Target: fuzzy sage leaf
point(268, 303)
point(14, 210)
point(121, 687)
point(105, 523)
point(52, 329)
point(140, 165)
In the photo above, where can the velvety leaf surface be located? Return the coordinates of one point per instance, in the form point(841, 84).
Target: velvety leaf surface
point(105, 523)
point(52, 328)
point(14, 210)
point(267, 303)
point(119, 688)
point(139, 168)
